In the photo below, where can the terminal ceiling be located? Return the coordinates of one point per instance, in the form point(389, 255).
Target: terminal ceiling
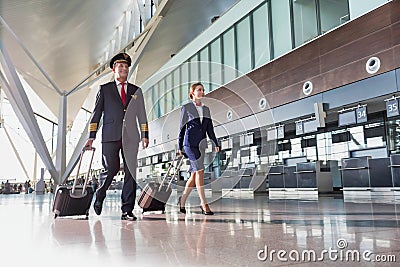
point(69, 39)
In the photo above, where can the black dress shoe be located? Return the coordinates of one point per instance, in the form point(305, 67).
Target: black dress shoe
point(128, 216)
point(206, 212)
point(98, 206)
point(181, 210)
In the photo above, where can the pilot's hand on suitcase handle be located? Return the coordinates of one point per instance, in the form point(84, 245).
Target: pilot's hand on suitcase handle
point(88, 145)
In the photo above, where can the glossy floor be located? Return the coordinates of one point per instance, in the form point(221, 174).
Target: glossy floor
point(246, 230)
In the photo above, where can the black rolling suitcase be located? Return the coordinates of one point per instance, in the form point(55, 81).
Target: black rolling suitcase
point(76, 199)
point(155, 195)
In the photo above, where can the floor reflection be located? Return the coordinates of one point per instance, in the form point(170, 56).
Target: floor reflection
point(240, 228)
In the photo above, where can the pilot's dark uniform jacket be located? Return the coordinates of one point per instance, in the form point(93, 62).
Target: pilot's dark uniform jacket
point(110, 106)
point(193, 134)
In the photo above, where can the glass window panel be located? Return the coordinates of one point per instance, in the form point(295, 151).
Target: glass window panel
point(333, 13)
point(305, 21)
point(168, 94)
point(216, 66)
point(194, 69)
point(161, 100)
point(244, 46)
point(281, 29)
point(176, 100)
point(229, 55)
point(261, 35)
point(156, 109)
point(205, 69)
point(185, 82)
point(177, 87)
point(147, 100)
point(359, 7)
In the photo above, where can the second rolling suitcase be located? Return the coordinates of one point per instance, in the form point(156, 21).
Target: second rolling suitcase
point(155, 195)
point(76, 199)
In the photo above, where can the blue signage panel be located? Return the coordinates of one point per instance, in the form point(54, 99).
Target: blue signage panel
point(281, 132)
point(361, 114)
point(272, 134)
point(347, 118)
point(299, 128)
point(392, 108)
point(310, 126)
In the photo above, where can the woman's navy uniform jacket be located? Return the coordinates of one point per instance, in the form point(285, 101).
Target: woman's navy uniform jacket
point(192, 131)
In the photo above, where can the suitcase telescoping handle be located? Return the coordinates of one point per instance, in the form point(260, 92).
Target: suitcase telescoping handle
point(88, 172)
point(178, 167)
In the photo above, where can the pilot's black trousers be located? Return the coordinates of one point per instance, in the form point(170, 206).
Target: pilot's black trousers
point(111, 164)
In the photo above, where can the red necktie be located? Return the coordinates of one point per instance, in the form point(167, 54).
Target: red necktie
point(123, 94)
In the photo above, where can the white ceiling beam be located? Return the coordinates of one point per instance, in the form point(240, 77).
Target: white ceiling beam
point(61, 138)
point(147, 12)
point(119, 39)
point(140, 6)
point(2, 21)
point(19, 101)
point(138, 48)
point(127, 22)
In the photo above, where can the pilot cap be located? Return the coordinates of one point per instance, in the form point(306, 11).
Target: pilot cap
point(121, 57)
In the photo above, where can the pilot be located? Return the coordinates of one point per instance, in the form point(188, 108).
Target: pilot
point(111, 103)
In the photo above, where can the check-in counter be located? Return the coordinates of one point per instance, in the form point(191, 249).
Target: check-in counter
point(395, 170)
point(367, 178)
point(275, 178)
point(229, 179)
point(306, 176)
point(290, 177)
point(355, 174)
point(379, 173)
point(246, 175)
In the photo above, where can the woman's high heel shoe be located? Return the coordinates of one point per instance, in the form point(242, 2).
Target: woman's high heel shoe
point(181, 210)
point(205, 212)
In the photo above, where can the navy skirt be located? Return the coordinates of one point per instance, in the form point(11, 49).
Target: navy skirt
point(196, 158)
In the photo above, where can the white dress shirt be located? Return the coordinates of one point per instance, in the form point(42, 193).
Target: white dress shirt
point(119, 86)
point(199, 110)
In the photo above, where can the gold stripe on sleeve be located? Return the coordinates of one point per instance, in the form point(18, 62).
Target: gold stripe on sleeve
point(92, 127)
point(144, 127)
